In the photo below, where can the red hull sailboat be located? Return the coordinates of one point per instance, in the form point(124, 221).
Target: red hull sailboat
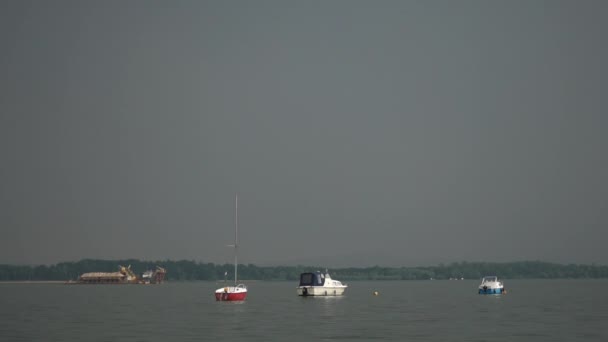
point(231, 293)
point(236, 292)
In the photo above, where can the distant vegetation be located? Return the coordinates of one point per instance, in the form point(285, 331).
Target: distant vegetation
point(190, 270)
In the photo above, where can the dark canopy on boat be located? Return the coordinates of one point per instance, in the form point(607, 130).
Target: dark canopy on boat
point(312, 279)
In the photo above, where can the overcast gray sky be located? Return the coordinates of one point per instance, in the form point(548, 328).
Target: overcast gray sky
point(355, 132)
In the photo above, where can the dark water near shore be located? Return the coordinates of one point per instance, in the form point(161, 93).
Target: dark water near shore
point(533, 310)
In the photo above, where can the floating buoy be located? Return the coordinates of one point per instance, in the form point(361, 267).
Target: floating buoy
point(376, 293)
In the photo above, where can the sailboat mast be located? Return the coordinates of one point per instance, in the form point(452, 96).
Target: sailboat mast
point(236, 234)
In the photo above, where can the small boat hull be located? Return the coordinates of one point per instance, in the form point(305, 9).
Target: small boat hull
point(320, 291)
point(491, 291)
point(231, 293)
point(229, 297)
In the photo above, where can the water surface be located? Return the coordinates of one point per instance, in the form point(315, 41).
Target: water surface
point(533, 310)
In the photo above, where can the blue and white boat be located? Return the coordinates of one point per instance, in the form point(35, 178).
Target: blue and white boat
point(491, 285)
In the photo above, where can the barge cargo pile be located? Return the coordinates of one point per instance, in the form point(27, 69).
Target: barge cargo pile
point(124, 276)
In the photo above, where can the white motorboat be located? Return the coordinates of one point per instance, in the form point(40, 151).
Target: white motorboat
point(319, 284)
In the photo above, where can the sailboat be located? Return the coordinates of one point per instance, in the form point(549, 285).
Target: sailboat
point(236, 292)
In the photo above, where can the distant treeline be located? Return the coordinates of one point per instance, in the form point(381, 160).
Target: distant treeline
point(191, 270)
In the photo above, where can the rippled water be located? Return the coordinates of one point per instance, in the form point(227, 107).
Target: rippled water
point(533, 310)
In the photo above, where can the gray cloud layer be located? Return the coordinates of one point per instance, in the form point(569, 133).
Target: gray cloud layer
point(356, 132)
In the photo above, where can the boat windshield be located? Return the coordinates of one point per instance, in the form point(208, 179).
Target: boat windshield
point(489, 279)
point(312, 279)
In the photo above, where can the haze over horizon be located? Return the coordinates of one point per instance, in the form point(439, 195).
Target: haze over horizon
point(356, 133)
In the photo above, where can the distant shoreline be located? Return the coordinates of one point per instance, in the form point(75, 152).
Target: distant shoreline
point(187, 270)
